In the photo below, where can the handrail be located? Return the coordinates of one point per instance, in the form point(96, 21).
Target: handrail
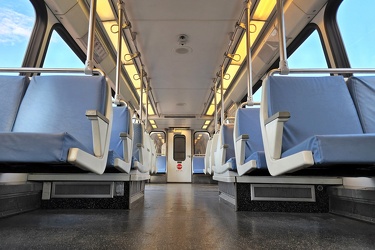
point(51, 70)
point(326, 70)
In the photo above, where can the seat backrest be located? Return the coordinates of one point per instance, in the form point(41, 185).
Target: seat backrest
point(57, 104)
point(226, 137)
point(12, 90)
point(121, 123)
point(208, 154)
point(198, 163)
point(137, 138)
point(317, 106)
point(362, 90)
point(214, 145)
point(161, 164)
point(247, 121)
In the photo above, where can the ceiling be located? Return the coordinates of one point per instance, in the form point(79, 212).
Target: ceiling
point(181, 83)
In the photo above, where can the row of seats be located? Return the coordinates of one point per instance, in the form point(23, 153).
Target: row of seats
point(43, 122)
point(302, 122)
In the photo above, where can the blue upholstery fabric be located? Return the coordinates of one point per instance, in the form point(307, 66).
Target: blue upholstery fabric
point(248, 122)
point(335, 149)
point(227, 138)
point(51, 119)
point(317, 105)
point(362, 90)
point(137, 138)
point(12, 89)
point(57, 104)
point(120, 124)
point(161, 164)
point(37, 147)
point(260, 159)
point(198, 164)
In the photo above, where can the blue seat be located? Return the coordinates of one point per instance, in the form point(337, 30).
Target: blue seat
point(161, 164)
point(198, 164)
point(207, 157)
point(249, 145)
point(141, 154)
point(51, 126)
point(12, 89)
point(362, 90)
point(121, 147)
point(224, 156)
point(323, 129)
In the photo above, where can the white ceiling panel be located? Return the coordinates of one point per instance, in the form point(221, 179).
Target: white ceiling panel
point(181, 82)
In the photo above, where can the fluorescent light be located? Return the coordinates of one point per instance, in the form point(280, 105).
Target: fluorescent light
point(211, 110)
point(207, 122)
point(264, 9)
point(154, 126)
point(231, 71)
point(152, 122)
point(104, 10)
point(204, 126)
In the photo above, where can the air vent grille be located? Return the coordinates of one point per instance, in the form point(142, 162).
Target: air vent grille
point(274, 192)
point(82, 190)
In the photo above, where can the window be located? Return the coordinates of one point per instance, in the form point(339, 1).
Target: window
point(17, 19)
point(60, 55)
point(200, 142)
point(355, 20)
point(179, 148)
point(159, 139)
point(309, 54)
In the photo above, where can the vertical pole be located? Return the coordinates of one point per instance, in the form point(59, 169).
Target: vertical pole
point(283, 65)
point(215, 102)
point(222, 94)
point(90, 39)
point(119, 48)
point(248, 49)
point(141, 96)
point(147, 89)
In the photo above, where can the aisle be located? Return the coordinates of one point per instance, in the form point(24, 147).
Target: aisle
point(181, 216)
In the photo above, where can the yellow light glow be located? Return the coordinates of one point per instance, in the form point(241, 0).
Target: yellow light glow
point(131, 70)
point(264, 9)
point(113, 37)
point(207, 122)
point(152, 122)
point(231, 71)
point(104, 10)
point(204, 126)
point(150, 110)
point(154, 126)
point(241, 49)
point(211, 110)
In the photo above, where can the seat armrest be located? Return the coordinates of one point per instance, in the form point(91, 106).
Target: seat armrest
point(124, 135)
point(92, 114)
point(279, 115)
point(126, 146)
point(275, 128)
point(240, 148)
point(100, 131)
point(243, 137)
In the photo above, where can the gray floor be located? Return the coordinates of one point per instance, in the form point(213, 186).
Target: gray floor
point(182, 216)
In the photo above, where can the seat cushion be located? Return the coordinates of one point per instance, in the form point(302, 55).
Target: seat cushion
point(317, 106)
point(12, 89)
point(335, 149)
point(57, 104)
point(260, 159)
point(37, 147)
point(362, 90)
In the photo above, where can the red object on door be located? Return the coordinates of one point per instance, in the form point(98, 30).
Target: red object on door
point(179, 166)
